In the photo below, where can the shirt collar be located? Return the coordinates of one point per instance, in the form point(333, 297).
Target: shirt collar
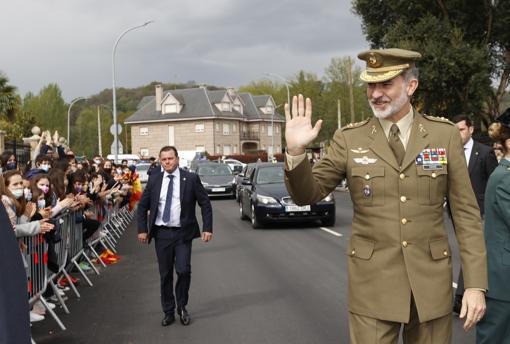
point(469, 144)
point(404, 124)
point(175, 173)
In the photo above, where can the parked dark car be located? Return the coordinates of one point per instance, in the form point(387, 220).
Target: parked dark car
point(217, 179)
point(264, 198)
point(244, 174)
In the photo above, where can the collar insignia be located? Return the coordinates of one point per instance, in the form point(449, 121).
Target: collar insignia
point(360, 150)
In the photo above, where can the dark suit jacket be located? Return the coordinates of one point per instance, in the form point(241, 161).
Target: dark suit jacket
point(192, 192)
point(14, 321)
point(482, 162)
point(497, 231)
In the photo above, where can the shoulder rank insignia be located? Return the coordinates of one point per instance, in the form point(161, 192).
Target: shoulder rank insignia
point(365, 160)
point(355, 125)
point(360, 150)
point(438, 119)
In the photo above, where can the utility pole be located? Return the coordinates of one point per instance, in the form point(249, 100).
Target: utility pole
point(339, 109)
point(349, 84)
point(99, 131)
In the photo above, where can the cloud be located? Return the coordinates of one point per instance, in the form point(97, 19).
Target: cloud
point(221, 42)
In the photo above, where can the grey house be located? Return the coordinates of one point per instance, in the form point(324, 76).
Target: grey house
point(196, 120)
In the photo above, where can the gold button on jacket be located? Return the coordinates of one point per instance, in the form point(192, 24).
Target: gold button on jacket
point(382, 275)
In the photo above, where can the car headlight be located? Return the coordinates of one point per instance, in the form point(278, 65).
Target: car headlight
point(266, 199)
point(329, 198)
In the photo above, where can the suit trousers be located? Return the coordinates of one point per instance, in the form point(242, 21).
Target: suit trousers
point(173, 251)
point(494, 326)
point(366, 330)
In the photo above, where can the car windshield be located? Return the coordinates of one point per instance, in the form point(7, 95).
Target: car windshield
point(214, 170)
point(269, 175)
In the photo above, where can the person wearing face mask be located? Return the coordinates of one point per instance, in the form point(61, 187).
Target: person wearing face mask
point(89, 224)
point(19, 210)
point(42, 166)
point(105, 169)
point(9, 161)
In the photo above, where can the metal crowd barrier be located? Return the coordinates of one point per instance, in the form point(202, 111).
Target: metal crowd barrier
point(69, 250)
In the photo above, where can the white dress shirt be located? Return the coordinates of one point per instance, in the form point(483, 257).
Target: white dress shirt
point(468, 147)
point(175, 210)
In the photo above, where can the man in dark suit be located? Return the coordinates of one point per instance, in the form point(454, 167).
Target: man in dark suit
point(481, 161)
point(14, 319)
point(170, 198)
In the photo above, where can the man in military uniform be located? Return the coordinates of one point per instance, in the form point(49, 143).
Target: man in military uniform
point(400, 165)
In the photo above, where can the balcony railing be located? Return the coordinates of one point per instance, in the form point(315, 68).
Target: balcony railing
point(249, 135)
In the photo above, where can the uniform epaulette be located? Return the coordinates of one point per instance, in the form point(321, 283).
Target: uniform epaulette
point(438, 119)
point(355, 125)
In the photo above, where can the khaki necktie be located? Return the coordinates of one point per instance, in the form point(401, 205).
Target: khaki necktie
point(396, 145)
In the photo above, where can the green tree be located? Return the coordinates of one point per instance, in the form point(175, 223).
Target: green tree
point(49, 109)
point(465, 47)
point(8, 98)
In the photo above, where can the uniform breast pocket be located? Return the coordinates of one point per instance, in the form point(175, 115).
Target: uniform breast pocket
point(367, 185)
point(431, 185)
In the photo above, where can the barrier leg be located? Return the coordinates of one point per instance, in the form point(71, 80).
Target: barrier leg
point(71, 284)
point(90, 262)
point(82, 273)
point(97, 256)
point(110, 244)
point(52, 313)
point(59, 297)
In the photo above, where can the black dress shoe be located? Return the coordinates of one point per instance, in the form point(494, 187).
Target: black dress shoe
point(184, 316)
point(168, 320)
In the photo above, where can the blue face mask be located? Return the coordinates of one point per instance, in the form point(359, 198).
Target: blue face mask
point(11, 166)
point(17, 193)
point(45, 168)
point(78, 189)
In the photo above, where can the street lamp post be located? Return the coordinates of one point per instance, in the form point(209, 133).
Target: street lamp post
point(69, 119)
point(116, 136)
point(288, 102)
point(99, 127)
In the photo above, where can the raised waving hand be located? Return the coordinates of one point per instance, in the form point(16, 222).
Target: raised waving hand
point(299, 132)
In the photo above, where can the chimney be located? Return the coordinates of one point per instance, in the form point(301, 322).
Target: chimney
point(231, 92)
point(159, 96)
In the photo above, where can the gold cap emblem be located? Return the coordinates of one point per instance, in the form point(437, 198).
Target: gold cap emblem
point(374, 60)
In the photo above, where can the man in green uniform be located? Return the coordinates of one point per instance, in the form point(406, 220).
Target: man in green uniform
point(400, 166)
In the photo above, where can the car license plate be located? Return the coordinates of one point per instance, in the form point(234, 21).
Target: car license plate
point(218, 190)
point(292, 208)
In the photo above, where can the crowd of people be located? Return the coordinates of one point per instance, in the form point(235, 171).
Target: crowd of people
point(35, 194)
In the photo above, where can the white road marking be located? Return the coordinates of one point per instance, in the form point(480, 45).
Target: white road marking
point(331, 232)
point(454, 285)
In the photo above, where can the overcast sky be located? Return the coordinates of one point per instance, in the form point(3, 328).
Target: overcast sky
point(221, 42)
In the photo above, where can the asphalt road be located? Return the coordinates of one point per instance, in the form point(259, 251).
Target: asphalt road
point(284, 284)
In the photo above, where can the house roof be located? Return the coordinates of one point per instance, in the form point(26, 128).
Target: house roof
point(199, 103)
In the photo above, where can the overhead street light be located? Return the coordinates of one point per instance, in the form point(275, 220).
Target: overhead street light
point(116, 138)
point(69, 119)
point(288, 102)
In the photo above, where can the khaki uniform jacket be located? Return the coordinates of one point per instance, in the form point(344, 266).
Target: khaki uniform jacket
point(399, 245)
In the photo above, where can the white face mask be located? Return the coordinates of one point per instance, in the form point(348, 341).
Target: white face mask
point(41, 203)
point(18, 193)
point(28, 194)
point(45, 168)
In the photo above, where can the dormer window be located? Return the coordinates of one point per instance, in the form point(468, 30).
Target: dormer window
point(238, 108)
point(170, 108)
point(269, 109)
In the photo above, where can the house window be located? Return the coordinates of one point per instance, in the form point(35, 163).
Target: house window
point(225, 106)
point(218, 149)
point(226, 129)
point(144, 152)
point(217, 127)
point(269, 109)
point(235, 149)
point(170, 108)
point(277, 128)
point(200, 148)
point(238, 108)
point(269, 130)
point(199, 128)
point(262, 129)
point(144, 131)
